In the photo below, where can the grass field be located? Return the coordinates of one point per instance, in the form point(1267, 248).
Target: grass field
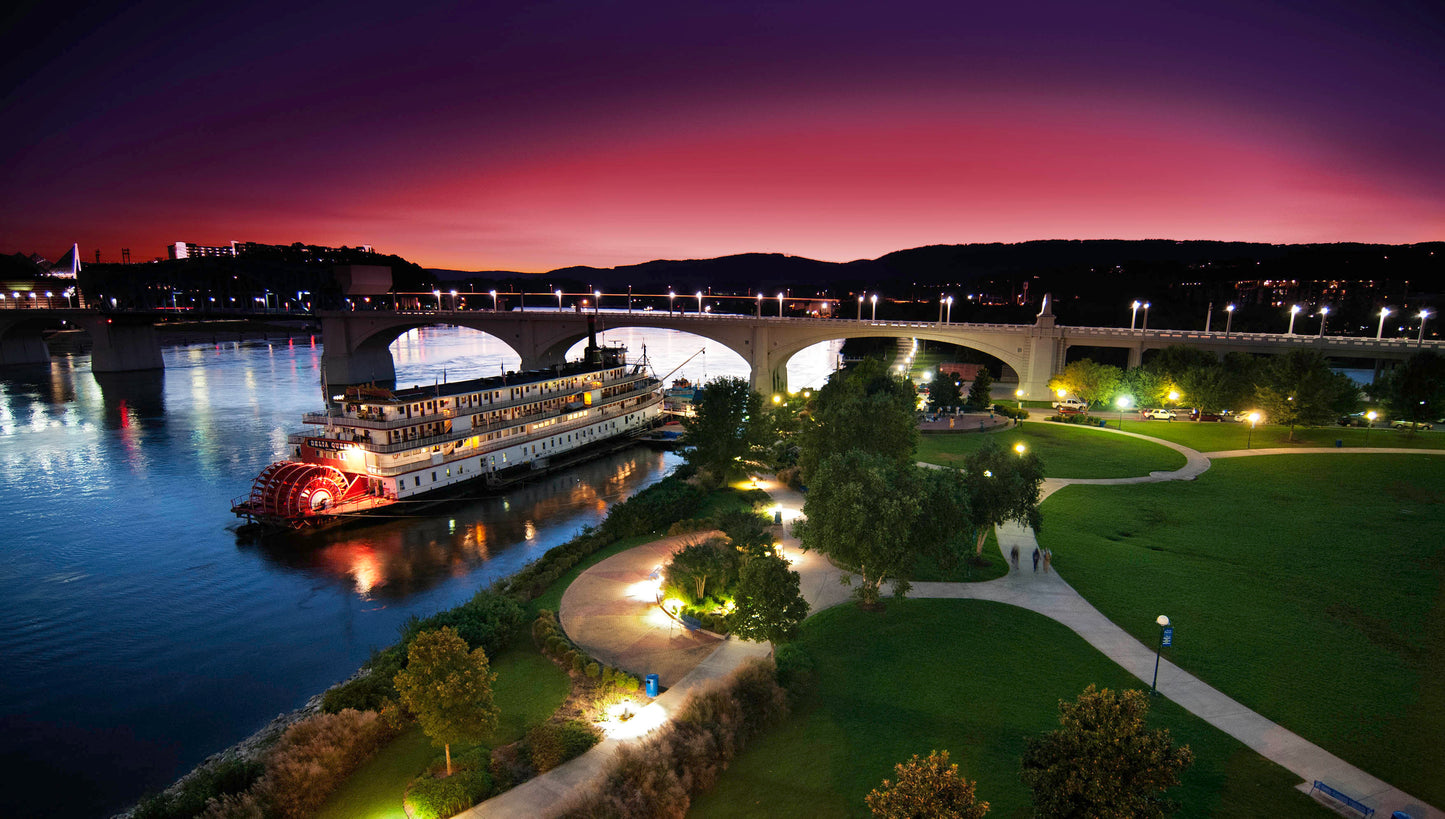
point(1213, 436)
point(529, 688)
point(1309, 587)
point(974, 678)
point(1067, 451)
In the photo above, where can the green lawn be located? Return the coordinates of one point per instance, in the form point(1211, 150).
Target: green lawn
point(529, 688)
point(974, 678)
point(1211, 436)
point(1067, 451)
point(1309, 587)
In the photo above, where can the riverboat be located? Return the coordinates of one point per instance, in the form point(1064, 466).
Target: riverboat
point(377, 448)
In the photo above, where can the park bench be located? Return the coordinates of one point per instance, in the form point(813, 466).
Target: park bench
point(1342, 799)
point(691, 623)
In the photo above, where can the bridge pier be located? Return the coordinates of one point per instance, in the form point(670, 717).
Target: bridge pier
point(341, 369)
point(121, 345)
point(20, 349)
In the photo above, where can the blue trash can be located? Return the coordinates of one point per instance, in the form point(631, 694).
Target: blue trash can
point(651, 680)
point(1339, 443)
point(777, 517)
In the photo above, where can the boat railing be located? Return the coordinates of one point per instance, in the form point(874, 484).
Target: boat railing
point(334, 416)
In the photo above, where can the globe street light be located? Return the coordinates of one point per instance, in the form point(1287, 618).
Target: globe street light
point(940, 308)
point(1020, 448)
point(1144, 326)
point(1384, 311)
point(597, 301)
point(1324, 314)
point(874, 298)
point(948, 316)
point(699, 302)
point(1122, 403)
point(494, 301)
point(559, 301)
point(1424, 314)
point(1370, 424)
point(860, 308)
point(1165, 632)
point(438, 295)
point(1133, 313)
point(780, 304)
point(670, 296)
point(760, 305)
point(1293, 311)
point(1228, 319)
point(1253, 419)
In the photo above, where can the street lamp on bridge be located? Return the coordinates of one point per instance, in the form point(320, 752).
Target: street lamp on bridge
point(860, 308)
point(597, 302)
point(670, 296)
point(1324, 314)
point(948, 316)
point(559, 301)
point(1228, 319)
point(1424, 314)
point(760, 305)
point(494, 301)
point(699, 302)
point(1293, 311)
point(1134, 313)
point(780, 304)
point(874, 298)
point(1384, 311)
point(1144, 326)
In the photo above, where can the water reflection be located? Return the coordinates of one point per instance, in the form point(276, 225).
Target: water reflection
point(396, 557)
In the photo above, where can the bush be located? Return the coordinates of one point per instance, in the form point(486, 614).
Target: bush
point(796, 672)
point(235, 806)
point(430, 798)
point(488, 621)
point(370, 691)
point(315, 755)
point(790, 476)
point(213, 782)
point(1009, 412)
point(552, 743)
point(683, 527)
point(594, 670)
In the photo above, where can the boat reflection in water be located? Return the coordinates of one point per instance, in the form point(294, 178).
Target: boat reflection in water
point(393, 557)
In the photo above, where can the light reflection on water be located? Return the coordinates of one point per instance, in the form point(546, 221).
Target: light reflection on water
point(142, 634)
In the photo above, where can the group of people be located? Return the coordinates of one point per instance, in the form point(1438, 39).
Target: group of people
point(1044, 555)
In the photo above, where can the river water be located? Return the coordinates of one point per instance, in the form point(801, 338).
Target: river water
point(141, 634)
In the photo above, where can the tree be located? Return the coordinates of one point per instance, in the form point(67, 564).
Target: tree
point(1102, 761)
point(770, 605)
point(750, 533)
point(1415, 390)
point(944, 528)
point(943, 391)
point(697, 563)
point(1002, 486)
point(865, 407)
point(1149, 388)
point(1091, 381)
point(978, 395)
point(926, 789)
point(860, 511)
point(1299, 389)
point(729, 420)
point(448, 689)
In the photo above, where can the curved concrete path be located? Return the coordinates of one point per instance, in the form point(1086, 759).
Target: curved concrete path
point(633, 634)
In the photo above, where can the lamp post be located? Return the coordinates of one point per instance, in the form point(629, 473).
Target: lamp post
point(948, 316)
point(1293, 311)
point(559, 301)
point(860, 308)
point(1228, 319)
point(494, 301)
point(874, 298)
point(438, 295)
point(670, 296)
point(1384, 311)
point(1019, 395)
point(1122, 402)
point(1370, 424)
point(1020, 448)
point(940, 308)
point(699, 302)
point(1165, 633)
point(1324, 314)
point(1133, 313)
point(1424, 314)
point(1144, 326)
point(1253, 419)
point(780, 304)
point(760, 305)
point(1208, 316)
point(596, 301)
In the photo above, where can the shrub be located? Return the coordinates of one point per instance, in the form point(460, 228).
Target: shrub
point(430, 798)
point(315, 755)
point(369, 691)
point(683, 527)
point(552, 743)
point(790, 476)
point(216, 781)
point(594, 670)
point(488, 621)
point(235, 806)
point(579, 662)
point(796, 672)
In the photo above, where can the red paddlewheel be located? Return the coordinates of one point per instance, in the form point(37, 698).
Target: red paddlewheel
point(292, 491)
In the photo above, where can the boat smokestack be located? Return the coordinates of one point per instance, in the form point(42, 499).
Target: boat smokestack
point(594, 353)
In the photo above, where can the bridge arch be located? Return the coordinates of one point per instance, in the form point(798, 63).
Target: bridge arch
point(778, 360)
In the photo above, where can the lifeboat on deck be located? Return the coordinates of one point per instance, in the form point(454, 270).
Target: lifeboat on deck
point(295, 494)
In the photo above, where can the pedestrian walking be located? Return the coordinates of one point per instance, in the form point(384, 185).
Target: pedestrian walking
point(1036, 560)
point(1048, 559)
point(1013, 555)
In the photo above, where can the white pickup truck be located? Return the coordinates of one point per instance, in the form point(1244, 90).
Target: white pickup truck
point(1076, 404)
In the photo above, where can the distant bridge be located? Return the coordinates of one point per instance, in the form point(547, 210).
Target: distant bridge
point(356, 343)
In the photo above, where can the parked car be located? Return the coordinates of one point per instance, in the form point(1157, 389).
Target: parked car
point(1197, 415)
point(1078, 404)
point(1070, 410)
point(1409, 424)
point(1161, 414)
point(1356, 420)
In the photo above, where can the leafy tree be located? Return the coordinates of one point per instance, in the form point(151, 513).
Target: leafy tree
point(1299, 389)
point(1091, 381)
point(1415, 390)
point(1003, 486)
point(1102, 761)
point(749, 532)
point(944, 529)
point(864, 407)
point(770, 605)
point(448, 689)
point(926, 789)
point(697, 563)
point(860, 511)
point(943, 391)
point(729, 420)
point(978, 395)
point(1148, 387)
point(1172, 363)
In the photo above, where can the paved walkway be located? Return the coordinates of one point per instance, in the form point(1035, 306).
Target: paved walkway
point(626, 632)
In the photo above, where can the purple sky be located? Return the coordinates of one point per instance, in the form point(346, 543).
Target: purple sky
point(531, 136)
